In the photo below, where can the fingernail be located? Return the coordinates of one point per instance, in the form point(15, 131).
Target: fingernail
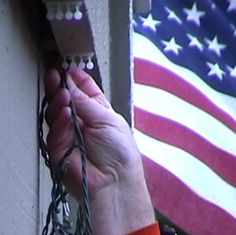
point(70, 83)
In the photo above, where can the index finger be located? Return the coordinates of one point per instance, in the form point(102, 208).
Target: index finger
point(85, 83)
point(51, 83)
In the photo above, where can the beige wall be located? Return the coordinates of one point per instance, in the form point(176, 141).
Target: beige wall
point(24, 181)
point(18, 145)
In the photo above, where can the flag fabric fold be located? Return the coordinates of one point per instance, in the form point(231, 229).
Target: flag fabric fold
point(184, 99)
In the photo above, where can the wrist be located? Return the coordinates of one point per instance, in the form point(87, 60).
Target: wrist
point(122, 207)
point(137, 207)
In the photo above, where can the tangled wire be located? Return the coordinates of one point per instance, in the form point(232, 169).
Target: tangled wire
point(58, 192)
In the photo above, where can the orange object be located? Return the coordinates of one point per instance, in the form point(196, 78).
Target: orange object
point(152, 229)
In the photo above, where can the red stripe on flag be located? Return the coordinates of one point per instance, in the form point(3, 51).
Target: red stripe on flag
point(148, 73)
point(181, 205)
point(171, 132)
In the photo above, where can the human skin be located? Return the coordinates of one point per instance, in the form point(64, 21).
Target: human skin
point(119, 199)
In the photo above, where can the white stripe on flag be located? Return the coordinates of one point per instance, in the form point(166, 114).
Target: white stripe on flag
point(145, 49)
point(165, 104)
point(195, 174)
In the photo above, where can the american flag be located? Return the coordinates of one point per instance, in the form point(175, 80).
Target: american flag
point(184, 98)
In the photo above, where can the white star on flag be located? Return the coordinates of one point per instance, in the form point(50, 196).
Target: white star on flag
point(232, 5)
point(150, 22)
point(189, 64)
point(215, 46)
point(213, 6)
point(172, 46)
point(232, 71)
point(173, 16)
point(215, 70)
point(193, 14)
point(194, 42)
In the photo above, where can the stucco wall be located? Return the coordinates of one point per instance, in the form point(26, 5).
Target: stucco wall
point(24, 180)
point(113, 48)
point(18, 142)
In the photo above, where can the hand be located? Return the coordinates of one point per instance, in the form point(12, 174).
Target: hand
point(119, 198)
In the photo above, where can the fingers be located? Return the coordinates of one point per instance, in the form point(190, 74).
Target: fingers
point(57, 97)
point(61, 135)
point(51, 83)
point(88, 109)
point(86, 84)
point(60, 100)
point(83, 87)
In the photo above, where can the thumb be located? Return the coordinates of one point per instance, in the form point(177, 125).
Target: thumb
point(87, 108)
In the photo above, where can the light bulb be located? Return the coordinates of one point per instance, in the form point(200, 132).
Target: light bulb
point(81, 63)
point(90, 64)
point(59, 14)
point(78, 14)
point(50, 13)
point(69, 13)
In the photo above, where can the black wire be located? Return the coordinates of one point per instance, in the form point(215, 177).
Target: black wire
point(80, 143)
point(58, 192)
